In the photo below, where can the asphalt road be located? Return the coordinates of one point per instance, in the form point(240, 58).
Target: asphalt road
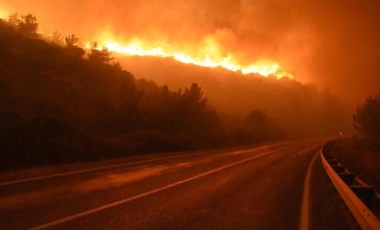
point(259, 187)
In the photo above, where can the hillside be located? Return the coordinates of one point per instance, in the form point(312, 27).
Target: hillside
point(302, 110)
point(61, 103)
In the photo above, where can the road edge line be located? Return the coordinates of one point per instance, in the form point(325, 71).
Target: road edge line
point(305, 207)
point(6, 183)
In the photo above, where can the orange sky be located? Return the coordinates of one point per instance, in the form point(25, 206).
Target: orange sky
point(335, 44)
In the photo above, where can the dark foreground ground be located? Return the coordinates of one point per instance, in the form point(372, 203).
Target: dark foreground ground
point(254, 188)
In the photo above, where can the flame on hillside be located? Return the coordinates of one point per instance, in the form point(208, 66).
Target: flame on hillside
point(207, 55)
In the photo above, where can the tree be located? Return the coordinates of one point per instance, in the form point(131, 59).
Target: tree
point(194, 117)
point(71, 41)
point(117, 65)
point(258, 127)
point(56, 38)
point(14, 20)
point(28, 25)
point(98, 54)
point(367, 118)
point(72, 49)
point(194, 99)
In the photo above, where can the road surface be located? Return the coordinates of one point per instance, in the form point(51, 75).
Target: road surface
point(261, 187)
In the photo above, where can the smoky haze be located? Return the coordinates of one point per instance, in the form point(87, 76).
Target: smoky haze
point(334, 44)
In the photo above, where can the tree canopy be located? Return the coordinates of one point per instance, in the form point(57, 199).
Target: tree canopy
point(26, 24)
point(367, 118)
point(99, 55)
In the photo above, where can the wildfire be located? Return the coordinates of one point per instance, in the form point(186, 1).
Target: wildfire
point(208, 55)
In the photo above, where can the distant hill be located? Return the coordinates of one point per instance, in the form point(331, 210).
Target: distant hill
point(301, 109)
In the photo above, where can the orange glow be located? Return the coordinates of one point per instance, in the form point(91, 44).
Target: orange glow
point(208, 54)
point(3, 13)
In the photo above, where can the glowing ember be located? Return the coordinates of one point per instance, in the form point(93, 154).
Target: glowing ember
point(208, 55)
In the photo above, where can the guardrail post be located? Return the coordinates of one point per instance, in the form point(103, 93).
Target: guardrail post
point(338, 168)
point(329, 158)
point(347, 177)
point(333, 162)
point(365, 193)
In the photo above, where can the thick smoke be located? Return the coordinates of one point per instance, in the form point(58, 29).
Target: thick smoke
point(335, 44)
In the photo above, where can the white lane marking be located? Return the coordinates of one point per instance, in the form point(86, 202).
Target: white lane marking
point(305, 208)
point(107, 206)
point(85, 170)
point(105, 167)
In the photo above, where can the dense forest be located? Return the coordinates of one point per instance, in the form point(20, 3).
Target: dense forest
point(367, 122)
point(300, 109)
point(61, 103)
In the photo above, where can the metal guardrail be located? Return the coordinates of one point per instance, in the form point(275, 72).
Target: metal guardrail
point(341, 179)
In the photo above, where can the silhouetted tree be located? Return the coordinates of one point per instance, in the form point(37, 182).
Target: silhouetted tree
point(258, 126)
point(99, 55)
point(367, 118)
point(28, 25)
point(117, 65)
point(195, 95)
point(14, 20)
point(72, 48)
point(56, 38)
point(194, 116)
point(71, 41)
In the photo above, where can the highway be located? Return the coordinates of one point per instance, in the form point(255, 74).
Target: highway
point(271, 186)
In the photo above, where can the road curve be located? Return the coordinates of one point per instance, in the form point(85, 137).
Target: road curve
point(260, 187)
